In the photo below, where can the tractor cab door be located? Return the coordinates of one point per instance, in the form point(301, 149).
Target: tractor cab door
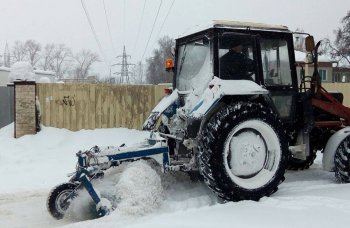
point(278, 74)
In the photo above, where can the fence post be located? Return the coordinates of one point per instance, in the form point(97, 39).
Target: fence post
point(25, 116)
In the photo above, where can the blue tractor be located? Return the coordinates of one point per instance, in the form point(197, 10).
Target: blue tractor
point(236, 117)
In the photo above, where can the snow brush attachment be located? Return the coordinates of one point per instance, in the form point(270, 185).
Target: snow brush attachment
point(92, 164)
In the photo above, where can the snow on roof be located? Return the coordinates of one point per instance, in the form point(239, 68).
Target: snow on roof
point(45, 72)
point(5, 69)
point(251, 25)
point(194, 29)
point(21, 71)
point(301, 56)
point(325, 58)
point(233, 24)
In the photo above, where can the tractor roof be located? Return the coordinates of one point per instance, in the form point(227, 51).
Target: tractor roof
point(236, 25)
point(250, 25)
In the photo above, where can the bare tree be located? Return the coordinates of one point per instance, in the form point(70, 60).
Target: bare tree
point(340, 49)
point(137, 74)
point(47, 57)
point(62, 60)
point(19, 51)
point(155, 65)
point(33, 49)
point(84, 60)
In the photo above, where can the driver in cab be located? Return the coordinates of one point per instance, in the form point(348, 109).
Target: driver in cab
point(235, 65)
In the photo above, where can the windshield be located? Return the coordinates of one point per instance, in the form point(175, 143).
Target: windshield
point(193, 66)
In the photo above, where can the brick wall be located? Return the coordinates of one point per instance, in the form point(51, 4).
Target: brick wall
point(25, 121)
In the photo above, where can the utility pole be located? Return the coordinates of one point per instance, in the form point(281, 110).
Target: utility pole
point(124, 69)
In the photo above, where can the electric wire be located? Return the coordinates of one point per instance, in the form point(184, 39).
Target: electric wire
point(124, 21)
point(139, 27)
point(166, 17)
point(109, 29)
point(154, 23)
point(161, 27)
point(94, 33)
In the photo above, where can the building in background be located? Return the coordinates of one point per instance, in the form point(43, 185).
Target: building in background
point(325, 66)
point(341, 74)
point(4, 72)
point(87, 80)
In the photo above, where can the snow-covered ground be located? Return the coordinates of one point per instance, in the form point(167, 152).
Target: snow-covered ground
point(30, 166)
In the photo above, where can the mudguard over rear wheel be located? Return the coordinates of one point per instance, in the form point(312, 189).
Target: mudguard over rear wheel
point(243, 152)
point(59, 199)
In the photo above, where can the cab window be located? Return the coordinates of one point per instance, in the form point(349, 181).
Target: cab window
point(236, 58)
point(275, 62)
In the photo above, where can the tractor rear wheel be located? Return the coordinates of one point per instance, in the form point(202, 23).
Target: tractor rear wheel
point(342, 161)
point(243, 152)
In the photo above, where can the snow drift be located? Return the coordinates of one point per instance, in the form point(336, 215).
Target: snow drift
point(31, 165)
point(21, 71)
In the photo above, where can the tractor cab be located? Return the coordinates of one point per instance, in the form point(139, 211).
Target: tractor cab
point(240, 51)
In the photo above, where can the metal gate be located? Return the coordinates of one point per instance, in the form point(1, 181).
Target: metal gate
point(6, 105)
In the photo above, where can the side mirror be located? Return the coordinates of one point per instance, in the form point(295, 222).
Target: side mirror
point(309, 43)
point(169, 65)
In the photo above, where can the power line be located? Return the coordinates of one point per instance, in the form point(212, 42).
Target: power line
point(139, 27)
point(154, 23)
point(124, 20)
point(166, 17)
point(109, 29)
point(94, 32)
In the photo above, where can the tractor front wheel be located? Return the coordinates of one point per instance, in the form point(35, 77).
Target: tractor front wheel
point(243, 152)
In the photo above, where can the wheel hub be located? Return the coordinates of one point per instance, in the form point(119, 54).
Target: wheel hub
point(248, 153)
point(63, 201)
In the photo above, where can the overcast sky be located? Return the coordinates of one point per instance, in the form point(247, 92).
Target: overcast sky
point(64, 21)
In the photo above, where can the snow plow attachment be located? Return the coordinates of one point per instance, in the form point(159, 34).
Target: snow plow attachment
point(92, 164)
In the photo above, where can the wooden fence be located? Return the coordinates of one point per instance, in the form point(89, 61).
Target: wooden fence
point(90, 106)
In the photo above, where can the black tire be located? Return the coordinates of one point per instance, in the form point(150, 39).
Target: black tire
point(342, 161)
point(56, 203)
point(298, 164)
point(239, 120)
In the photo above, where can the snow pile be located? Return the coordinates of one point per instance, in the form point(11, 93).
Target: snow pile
point(21, 71)
point(139, 189)
point(46, 158)
point(31, 165)
point(44, 80)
